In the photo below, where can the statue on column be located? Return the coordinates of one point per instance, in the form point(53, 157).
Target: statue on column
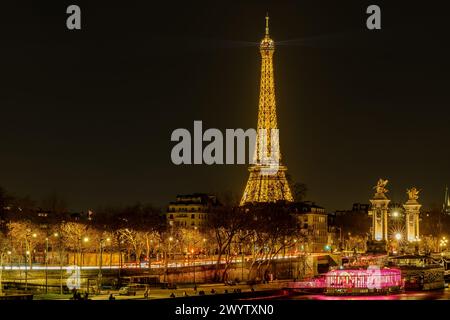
point(413, 193)
point(381, 186)
point(412, 209)
point(379, 213)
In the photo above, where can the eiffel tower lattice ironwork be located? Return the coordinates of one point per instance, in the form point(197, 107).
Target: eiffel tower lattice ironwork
point(266, 184)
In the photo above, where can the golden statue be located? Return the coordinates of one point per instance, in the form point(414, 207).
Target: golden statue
point(381, 186)
point(413, 193)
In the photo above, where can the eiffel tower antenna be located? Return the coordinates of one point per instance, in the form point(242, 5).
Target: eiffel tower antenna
point(267, 181)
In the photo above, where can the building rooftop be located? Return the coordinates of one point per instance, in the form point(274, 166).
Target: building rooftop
point(195, 198)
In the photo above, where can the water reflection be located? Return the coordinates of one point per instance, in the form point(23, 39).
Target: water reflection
point(423, 295)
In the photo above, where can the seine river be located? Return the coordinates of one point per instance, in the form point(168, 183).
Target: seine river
point(423, 295)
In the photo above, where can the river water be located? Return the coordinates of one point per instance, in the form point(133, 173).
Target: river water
point(443, 294)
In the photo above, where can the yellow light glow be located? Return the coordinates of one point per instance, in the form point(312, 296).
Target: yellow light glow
point(261, 186)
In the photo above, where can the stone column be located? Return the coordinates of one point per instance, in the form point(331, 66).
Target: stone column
point(412, 209)
point(379, 213)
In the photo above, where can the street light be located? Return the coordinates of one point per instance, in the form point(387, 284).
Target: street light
point(167, 258)
point(193, 262)
point(443, 243)
point(99, 281)
point(85, 240)
point(46, 265)
point(56, 235)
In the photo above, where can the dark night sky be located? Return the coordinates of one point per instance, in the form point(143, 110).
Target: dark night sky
point(88, 114)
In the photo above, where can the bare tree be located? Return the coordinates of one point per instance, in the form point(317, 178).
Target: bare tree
point(274, 230)
point(4, 249)
point(298, 189)
point(25, 235)
point(225, 223)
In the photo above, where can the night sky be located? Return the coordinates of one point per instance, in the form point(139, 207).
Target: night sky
point(88, 114)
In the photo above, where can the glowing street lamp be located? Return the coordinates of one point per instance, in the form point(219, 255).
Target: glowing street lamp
point(443, 243)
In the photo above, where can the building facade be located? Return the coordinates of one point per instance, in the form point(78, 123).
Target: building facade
point(313, 221)
point(190, 211)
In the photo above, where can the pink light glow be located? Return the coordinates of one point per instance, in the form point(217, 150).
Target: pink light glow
point(363, 278)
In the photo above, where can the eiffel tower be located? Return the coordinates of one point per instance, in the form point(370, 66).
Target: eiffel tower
point(446, 206)
point(267, 181)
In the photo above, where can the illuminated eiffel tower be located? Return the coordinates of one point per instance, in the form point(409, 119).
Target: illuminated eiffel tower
point(267, 181)
point(446, 206)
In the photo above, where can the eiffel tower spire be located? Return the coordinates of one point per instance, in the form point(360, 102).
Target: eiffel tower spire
point(446, 206)
point(267, 181)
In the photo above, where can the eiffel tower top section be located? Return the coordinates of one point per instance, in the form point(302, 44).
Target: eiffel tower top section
point(267, 110)
point(267, 43)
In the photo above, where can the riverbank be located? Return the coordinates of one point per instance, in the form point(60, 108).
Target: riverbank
point(273, 288)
